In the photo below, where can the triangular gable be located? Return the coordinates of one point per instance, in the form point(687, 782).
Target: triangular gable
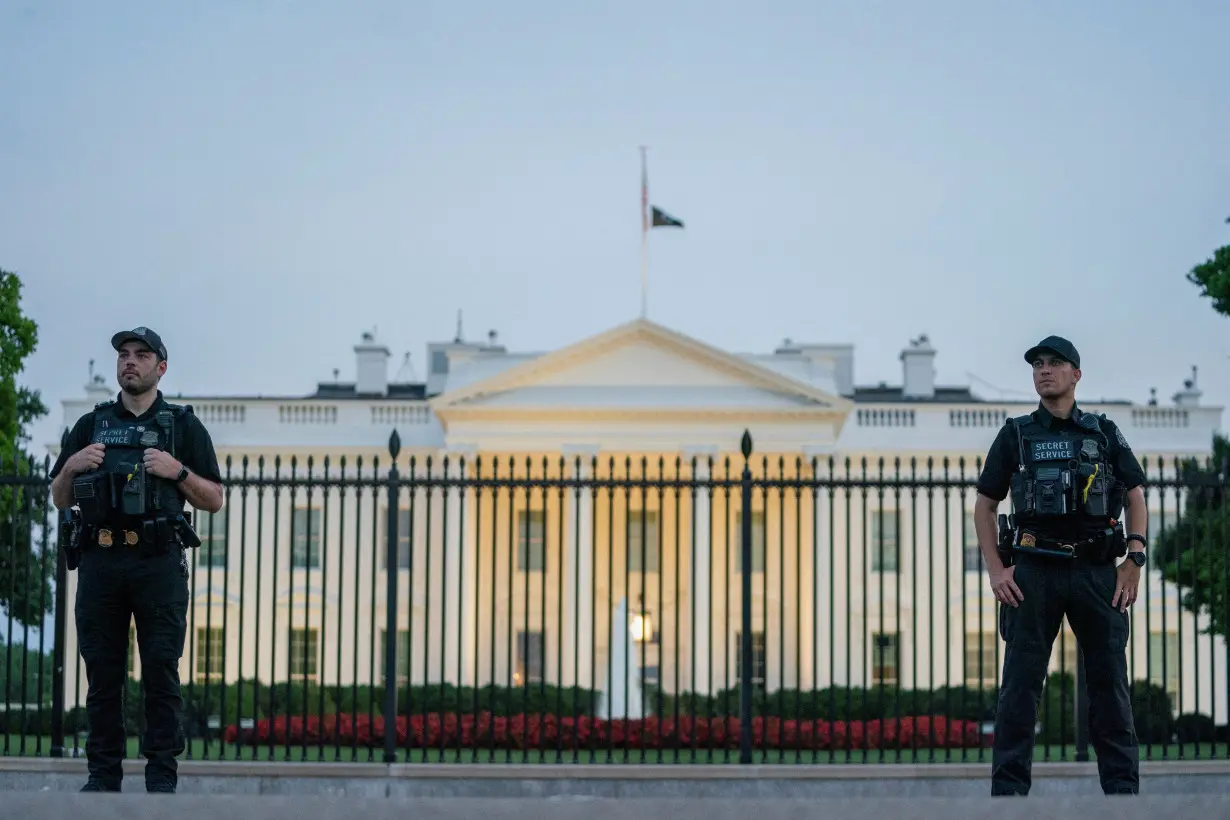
point(647, 342)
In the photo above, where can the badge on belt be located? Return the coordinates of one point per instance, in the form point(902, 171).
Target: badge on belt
point(1028, 540)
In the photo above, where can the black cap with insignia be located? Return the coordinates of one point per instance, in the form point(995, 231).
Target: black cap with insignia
point(144, 335)
point(1059, 346)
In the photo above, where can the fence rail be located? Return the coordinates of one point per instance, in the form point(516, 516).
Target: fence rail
point(734, 608)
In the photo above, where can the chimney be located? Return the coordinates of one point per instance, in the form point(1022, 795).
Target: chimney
point(1190, 395)
point(371, 367)
point(918, 369)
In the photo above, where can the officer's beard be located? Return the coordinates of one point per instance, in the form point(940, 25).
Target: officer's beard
point(138, 386)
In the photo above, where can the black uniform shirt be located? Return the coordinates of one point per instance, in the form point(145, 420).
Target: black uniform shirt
point(1004, 456)
point(197, 453)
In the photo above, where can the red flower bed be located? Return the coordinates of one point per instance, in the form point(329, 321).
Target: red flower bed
point(483, 731)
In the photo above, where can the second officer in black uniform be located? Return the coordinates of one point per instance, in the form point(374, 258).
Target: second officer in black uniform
point(127, 467)
point(1071, 475)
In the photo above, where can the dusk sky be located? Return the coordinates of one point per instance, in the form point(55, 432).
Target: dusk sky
point(263, 181)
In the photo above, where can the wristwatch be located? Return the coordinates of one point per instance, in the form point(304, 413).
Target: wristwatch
point(183, 474)
point(1138, 557)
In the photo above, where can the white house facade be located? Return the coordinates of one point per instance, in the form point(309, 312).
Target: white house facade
point(604, 587)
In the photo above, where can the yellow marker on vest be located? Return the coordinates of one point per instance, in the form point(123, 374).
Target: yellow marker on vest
point(1089, 481)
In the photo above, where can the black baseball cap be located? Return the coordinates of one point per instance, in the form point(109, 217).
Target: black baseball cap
point(144, 335)
point(1057, 345)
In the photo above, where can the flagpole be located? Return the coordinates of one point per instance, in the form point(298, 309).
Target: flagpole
point(644, 236)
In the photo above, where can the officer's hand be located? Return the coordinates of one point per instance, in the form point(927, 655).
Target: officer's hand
point(84, 460)
point(1005, 588)
point(161, 463)
point(1127, 581)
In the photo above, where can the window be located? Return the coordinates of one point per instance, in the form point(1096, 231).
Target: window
point(973, 555)
point(1164, 661)
point(758, 543)
point(882, 539)
point(759, 660)
point(529, 658)
point(403, 655)
point(531, 547)
point(304, 651)
point(980, 665)
point(211, 529)
point(643, 523)
point(404, 539)
point(885, 660)
point(439, 361)
point(305, 546)
point(210, 645)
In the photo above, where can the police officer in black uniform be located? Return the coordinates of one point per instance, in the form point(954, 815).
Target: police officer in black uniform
point(125, 471)
point(1071, 474)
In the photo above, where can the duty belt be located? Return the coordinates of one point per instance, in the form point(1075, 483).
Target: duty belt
point(152, 537)
point(1036, 544)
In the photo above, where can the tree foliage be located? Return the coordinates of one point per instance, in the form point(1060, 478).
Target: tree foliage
point(1191, 550)
point(27, 556)
point(1213, 278)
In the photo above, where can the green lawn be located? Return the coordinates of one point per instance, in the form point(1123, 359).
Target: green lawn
point(28, 746)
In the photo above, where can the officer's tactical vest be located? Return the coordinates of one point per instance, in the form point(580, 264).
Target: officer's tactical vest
point(121, 490)
point(1065, 476)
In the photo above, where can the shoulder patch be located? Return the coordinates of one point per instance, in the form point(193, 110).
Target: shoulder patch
point(1119, 438)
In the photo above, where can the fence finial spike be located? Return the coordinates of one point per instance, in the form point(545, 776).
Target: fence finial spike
point(394, 444)
point(746, 444)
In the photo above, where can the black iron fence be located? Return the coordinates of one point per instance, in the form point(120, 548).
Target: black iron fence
point(708, 608)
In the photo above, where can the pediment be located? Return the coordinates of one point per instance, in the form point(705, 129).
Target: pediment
point(639, 366)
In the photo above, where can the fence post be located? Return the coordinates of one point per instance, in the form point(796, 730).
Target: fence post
point(57, 656)
point(1082, 707)
point(58, 634)
point(393, 486)
point(745, 643)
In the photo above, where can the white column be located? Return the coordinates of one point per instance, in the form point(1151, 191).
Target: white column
point(822, 571)
point(578, 539)
point(699, 582)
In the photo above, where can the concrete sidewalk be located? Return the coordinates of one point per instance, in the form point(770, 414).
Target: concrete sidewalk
point(721, 782)
point(218, 807)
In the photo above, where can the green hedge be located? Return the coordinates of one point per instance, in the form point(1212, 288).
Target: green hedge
point(834, 703)
point(1151, 706)
point(256, 700)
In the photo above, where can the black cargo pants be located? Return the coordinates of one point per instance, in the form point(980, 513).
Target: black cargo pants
point(1082, 590)
point(117, 585)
